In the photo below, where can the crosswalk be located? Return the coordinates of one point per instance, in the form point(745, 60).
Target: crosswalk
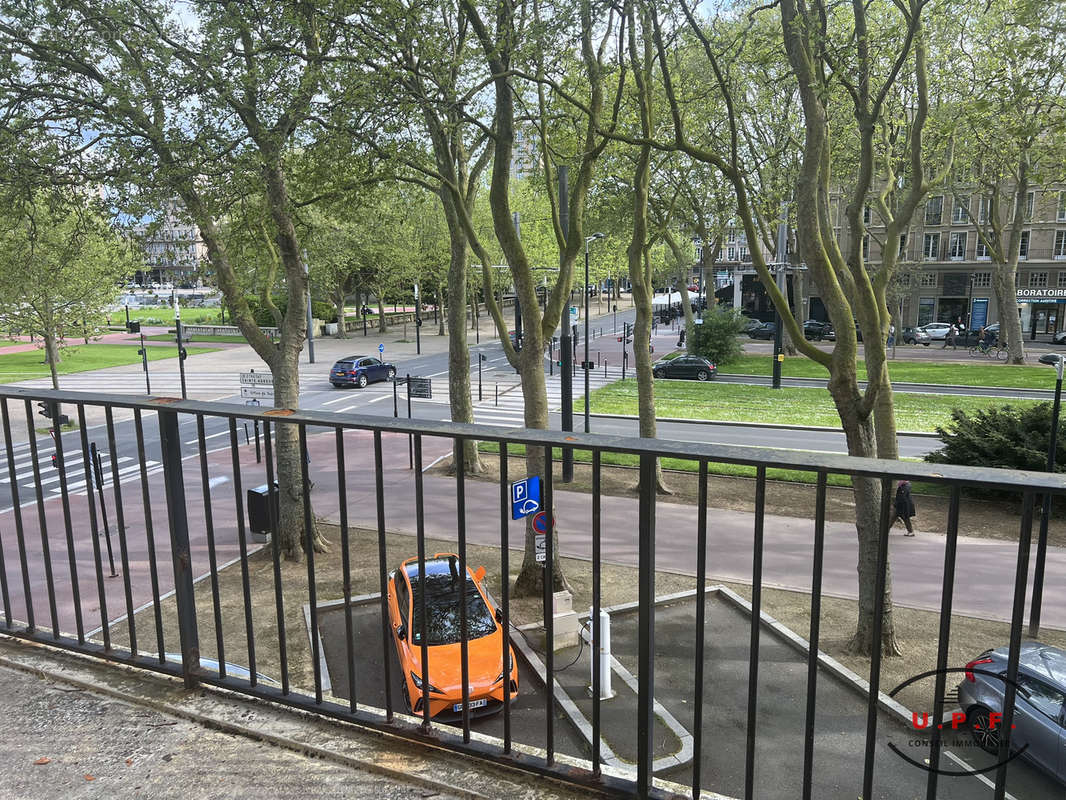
point(74, 468)
point(508, 410)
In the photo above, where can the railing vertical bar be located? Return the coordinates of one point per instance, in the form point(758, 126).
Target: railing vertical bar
point(814, 634)
point(756, 629)
point(153, 565)
point(209, 527)
point(242, 545)
point(181, 555)
point(420, 531)
point(120, 521)
point(275, 546)
point(1025, 538)
point(597, 632)
point(16, 508)
point(946, 596)
point(346, 567)
point(309, 548)
point(46, 547)
point(64, 493)
point(505, 592)
point(549, 609)
point(646, 626)
point(701, 628)
point(386, 630)
point(94, 528)
point(876, 636)
point(464, 632)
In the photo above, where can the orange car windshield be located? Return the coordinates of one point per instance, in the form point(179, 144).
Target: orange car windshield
point(442, 610)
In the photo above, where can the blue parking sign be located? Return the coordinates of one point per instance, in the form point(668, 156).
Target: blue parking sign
point(525, 497)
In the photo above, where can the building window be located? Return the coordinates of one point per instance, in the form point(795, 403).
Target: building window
point(982, 212)
point(1037, 280)
point(732, 237)
point(1062, 207)
point(866, 214)
point(866, 246)
point(902, 244)
point(934, 210)
point(745, 256)
point(981, 250)
point(982, 280)
point(960, 213)
point(927, 280)
point(1030, 204)
point(1060, 245)
point(1062, 280)
point(1023, 245)
point(926, 307)
point(957, 246)
point(904, 279)
point(931, 247)
point(731, 254)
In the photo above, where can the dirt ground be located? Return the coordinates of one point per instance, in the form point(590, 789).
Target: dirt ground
point(993, 518)
point(915, 629)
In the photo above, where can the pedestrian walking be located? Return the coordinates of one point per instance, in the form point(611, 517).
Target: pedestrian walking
point(904, 507)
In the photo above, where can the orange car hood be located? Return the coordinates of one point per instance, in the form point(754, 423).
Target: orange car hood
point(484, 660)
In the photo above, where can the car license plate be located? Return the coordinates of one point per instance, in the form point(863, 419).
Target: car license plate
point(473, 704)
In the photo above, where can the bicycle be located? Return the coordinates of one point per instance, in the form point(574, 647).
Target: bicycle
point(997, 351)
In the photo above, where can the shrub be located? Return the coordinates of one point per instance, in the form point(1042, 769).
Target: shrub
point(1008, 437)
point(324, 311)
point(717, 338)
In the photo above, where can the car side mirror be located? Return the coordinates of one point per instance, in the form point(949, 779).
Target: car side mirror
point(479, 574)
point(401, 632)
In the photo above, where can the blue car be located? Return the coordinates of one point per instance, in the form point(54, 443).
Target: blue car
point(1039, 706)
point(359, 371)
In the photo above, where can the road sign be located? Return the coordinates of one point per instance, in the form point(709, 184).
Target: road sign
point(588, 365)
point(540, 542)
point(697, 321)
point(420, 387)
point(540, 522)
point(258, 392)
point(525, 497)
point(257, 379)
point(381, 348)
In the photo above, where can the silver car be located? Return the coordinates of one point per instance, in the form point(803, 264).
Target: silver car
point(1039, 706)
point(937, 331)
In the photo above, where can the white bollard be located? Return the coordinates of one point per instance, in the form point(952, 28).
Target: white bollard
point(604, 647)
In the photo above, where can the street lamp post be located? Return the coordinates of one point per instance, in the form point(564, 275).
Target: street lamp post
point(181, 348)
point(1055, 360)
point(969, 310)
point(585, 364)
point(418, 323)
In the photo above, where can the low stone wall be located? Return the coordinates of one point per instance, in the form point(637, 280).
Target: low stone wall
point(219, 330)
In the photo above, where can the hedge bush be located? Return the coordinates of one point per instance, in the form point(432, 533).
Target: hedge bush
point(1007, 437)
point(717, 338)
point(327, 312)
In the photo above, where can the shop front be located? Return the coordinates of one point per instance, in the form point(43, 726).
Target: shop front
point(1041, 310)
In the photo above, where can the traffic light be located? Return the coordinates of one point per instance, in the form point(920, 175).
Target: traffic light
point(418, 322)
point(140, 352)
point(55, 461)
point(183, 354)
point(44, 410)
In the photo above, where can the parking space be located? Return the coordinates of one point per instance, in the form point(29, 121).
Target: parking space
point(528, 723)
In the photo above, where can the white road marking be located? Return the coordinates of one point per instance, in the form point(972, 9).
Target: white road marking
point(981, 778)
point(210, 436)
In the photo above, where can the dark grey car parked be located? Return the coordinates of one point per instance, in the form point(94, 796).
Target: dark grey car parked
point(691, 367)
point(1039, 707)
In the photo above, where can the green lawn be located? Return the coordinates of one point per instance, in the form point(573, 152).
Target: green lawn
point(792, 406)
point(979, 373)
point(164, 315)
point(30, 364)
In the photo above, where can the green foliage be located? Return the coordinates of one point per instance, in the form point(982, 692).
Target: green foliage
point(718, 337)
point(1011, 437)
point(320, 309)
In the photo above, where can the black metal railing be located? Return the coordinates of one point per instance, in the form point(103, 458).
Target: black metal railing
point(159, 464)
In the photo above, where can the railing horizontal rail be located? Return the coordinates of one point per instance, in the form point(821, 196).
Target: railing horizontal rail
point(779, 458)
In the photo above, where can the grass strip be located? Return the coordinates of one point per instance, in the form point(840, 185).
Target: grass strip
point(83, 358)
point(979, 373)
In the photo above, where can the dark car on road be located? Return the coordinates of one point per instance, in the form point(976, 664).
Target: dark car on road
point(690, 367)
point(359, 371)
point(764, 330)
point(1039, 704)
point(818, 330)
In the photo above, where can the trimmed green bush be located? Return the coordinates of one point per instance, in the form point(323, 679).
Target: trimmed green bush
point(717, 338)
point(1009, 437)
point(322, 310)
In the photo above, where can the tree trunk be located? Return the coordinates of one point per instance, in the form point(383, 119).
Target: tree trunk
point(1010, 324)
point(383, 327)
point(51, 356)
point(442, 308)
point(342, 322)
point(458, 353)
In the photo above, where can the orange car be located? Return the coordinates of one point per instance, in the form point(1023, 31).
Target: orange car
point(484, 639)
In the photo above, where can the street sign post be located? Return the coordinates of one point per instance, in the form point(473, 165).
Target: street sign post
point(258, 392)
point(540, 535)
point(381, 348)
point(254, 378)
point(525, 497)
point(420, 387)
